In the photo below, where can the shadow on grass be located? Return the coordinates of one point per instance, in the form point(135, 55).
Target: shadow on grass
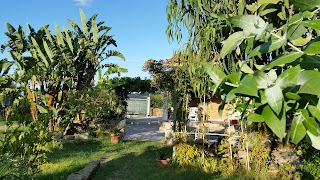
point(73, 157)
point(144, 166)
point(126, 160)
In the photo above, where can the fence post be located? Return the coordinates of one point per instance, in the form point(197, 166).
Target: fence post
point(148, 106)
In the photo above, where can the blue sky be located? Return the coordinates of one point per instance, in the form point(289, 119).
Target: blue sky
point(138, 26)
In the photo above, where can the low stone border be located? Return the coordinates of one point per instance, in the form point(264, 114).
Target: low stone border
point(144, 123)
point(87, 172)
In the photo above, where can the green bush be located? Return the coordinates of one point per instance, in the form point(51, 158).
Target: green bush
point(311, 160)
point(14, 167)
point(156, 100)
point(192, 157)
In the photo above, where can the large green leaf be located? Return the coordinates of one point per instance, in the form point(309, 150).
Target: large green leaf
point(282, 60)
point(315, 140)
point(312, 126)
point(255, 6)
point(59, 35)
point(310, 62)
point(267, 11)
point(288, 77)
point(297, 130)
point(293, 96)
point(94, 31)
point(48, 50)
point(84, 23)
point(248, 86)
point(231, 95)
point(216, 75)
point(295, 19)
point(41, 109)
point(267, 47)
point(36, 45)
point(68, 39)
point(245, 68)
point(114, 53)
point(230, 44)
point(274, 98)
point(278, 126)
point(262, 79)
point(301, 41)
point(250, 23)
point(10, 28)
point(309, 82)
point(313, 47)
point(315, 24)
point(234, 78)
point(296, 31)
point(314, 111)
point(255, 118)
point(306, 4)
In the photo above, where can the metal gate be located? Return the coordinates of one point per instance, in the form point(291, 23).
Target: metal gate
point(137, 106)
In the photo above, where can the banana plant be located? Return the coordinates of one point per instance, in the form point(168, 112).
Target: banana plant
point(89, 48)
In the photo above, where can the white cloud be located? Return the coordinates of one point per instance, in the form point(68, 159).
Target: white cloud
point(83, 2)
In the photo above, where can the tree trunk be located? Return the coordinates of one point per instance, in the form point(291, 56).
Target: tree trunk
point(174, 104)
point(165, 106)
point(33, 109)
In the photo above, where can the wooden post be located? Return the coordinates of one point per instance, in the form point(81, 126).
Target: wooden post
point(148, 106)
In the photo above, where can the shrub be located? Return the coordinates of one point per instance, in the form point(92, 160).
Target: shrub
point(311, 160)
point(192, 157)
point(156, 100)
point(14, 167)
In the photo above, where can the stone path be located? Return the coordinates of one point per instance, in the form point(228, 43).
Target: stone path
point(144, 129)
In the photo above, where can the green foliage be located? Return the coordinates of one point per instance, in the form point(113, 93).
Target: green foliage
point(288, 171)
point(13, 167)
point(162, 74)
point(191, 157)
point(275, 46)
point(54, 84)
point(156, 100)
point(186, 155)
point(259, 154)
point(97, 103)
point(311, 161)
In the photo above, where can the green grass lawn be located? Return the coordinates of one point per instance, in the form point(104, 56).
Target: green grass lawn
point(126, 160)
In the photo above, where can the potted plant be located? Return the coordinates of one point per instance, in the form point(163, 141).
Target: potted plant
point(163, 160)
point(115, 135)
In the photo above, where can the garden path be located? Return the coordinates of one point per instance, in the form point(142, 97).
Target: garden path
point(144, 129)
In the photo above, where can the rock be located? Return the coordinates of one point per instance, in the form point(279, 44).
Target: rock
point(87, 172)
point(58, 135)
point(233, 140)
point(75, 176)
point(242, 154)
point(83, 136)
point(168, 142)
point(69, 137)
point(122, 124)
point(168, 135)
point(213, 127)
point(165, 126)
point(232, 130)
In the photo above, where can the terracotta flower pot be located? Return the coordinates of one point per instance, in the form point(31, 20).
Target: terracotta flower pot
point(115, 139)
point(163, 162)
